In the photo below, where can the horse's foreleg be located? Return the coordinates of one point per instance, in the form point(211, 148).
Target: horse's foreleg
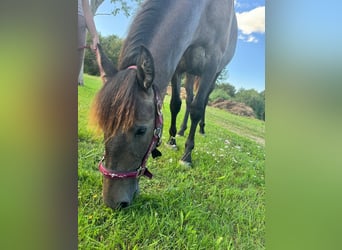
point(202, 121)
point(197, 109)
point(175, 105)
point(184, 125)
point(202, 124)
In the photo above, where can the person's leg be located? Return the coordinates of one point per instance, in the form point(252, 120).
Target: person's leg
point(81, 43)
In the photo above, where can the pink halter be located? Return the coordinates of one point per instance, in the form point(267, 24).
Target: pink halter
point(142, 169)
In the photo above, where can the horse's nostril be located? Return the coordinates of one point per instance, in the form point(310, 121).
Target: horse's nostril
point(124, 204)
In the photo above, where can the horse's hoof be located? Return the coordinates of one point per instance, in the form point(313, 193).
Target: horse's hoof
point(185, 163)
point(172, 146)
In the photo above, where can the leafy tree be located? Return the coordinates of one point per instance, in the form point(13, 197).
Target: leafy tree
point(111, 45)
point(253, 99)
point(223, 76)
point(228, 88)
point(219, 94)
point(223, 91)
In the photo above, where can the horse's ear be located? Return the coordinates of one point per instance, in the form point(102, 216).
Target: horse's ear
point(145, 66)
point(104, 63)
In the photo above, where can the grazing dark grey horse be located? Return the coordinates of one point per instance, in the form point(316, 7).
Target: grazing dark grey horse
point(166, 36)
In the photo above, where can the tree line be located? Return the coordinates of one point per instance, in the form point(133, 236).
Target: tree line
point(250, 97)
point(225, 91)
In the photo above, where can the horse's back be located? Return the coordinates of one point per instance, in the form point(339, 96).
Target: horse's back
point(214, 37)
point(193, 31)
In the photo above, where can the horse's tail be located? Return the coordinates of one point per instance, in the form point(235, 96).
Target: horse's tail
point(196, 83)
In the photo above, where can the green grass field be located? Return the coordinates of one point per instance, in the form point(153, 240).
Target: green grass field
point(219, 203)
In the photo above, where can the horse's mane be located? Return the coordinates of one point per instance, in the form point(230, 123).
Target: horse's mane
point(141, 30)
point(115, 104)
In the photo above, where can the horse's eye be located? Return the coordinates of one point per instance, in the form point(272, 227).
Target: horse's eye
point(140, 131)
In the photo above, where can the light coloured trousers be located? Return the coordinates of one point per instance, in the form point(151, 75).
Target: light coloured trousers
point(82, 31)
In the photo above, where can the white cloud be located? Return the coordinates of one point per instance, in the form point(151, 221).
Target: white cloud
point(252, 39)
point(252, 21)
point(248, 38)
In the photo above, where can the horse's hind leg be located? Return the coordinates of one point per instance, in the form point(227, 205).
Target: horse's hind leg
point(175, 105)
point(189, 87)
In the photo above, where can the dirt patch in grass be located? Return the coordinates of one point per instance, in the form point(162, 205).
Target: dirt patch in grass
point(233, 107)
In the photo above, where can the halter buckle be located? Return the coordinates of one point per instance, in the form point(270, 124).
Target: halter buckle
point(140, 171)
point(157, 132)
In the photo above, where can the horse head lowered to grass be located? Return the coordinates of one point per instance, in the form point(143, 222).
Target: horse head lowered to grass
point(166, 38)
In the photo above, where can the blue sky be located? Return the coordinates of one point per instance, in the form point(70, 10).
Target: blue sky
point(247, 68)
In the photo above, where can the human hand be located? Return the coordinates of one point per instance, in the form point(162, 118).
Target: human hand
point(96, 40)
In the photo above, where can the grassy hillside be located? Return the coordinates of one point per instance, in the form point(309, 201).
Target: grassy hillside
point(219, 203)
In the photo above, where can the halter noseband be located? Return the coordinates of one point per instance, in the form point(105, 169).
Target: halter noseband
point(156, 139)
